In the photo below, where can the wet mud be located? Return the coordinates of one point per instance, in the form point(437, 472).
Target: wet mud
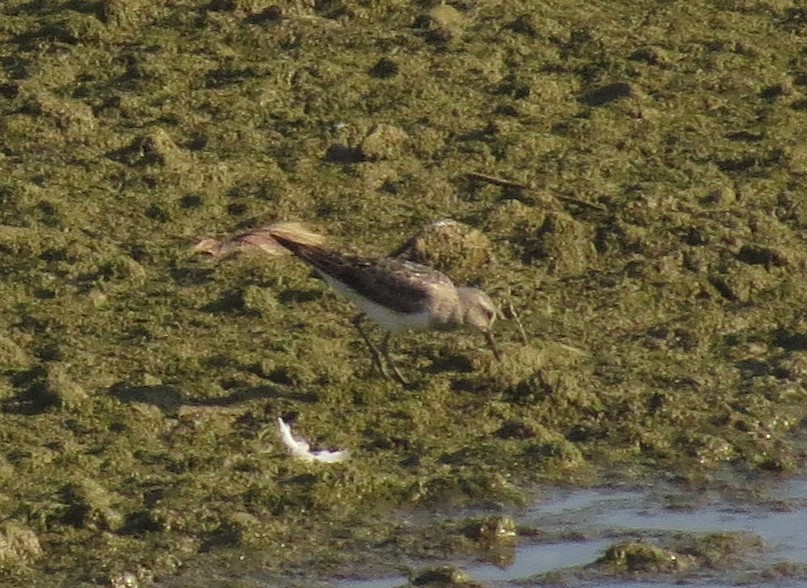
point(631, 183)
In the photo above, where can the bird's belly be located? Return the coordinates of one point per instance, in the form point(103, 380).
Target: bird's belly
point(386, 318)
point(395, 322)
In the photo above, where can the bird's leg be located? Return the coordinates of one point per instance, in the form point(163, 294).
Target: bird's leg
point(374, 352)
point(377, 355)
point(492, 344)
point(385, 351)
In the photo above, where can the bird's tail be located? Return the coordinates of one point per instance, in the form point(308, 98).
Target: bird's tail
point(294, 232)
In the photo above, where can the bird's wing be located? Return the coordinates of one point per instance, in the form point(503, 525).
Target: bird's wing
point(402, 286)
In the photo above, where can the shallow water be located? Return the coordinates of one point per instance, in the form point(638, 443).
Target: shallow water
point(777, 514)
point(630, 179)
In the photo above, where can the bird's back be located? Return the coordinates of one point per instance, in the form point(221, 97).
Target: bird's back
point(399, 285)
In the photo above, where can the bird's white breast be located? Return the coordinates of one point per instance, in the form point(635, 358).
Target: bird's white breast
point(386, 318)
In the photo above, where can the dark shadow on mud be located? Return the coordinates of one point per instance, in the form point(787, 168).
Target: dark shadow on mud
point(230, 302)
point(790, 340)
point(192, 276)
point(34, 396)
point(264, 392)
point(342, 154)
point(234, 301)
point(165, 397)
point(451, 363)
point(169, 398)
point(299, 296)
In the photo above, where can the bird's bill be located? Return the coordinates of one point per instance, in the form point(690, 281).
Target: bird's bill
point(492, 344)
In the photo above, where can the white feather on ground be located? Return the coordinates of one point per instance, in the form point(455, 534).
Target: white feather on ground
point(300, 448)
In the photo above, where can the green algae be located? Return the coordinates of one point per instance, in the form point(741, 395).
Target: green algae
point(686, 556)
point(665, 320)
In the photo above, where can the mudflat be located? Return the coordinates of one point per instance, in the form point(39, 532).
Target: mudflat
point(629, 181)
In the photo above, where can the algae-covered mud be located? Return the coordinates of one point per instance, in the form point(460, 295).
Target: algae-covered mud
point(632, 177)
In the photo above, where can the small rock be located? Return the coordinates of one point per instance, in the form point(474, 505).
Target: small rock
point(18, 544)
point(259, 300)
point(445, 23)
point(796, 158)
point(652, 56)
point(449, 246)
point(128, 13)
point(7, 469)
point(125, 580)
point(635, 556)
point(566, 245)
point(91, 506)
point(495, 530)
point(384, 142)
point(755, 254)
point(12, 355)
point(442, 576)
point(527, 24)
point(64, 391)
point(608, 93)
point(742, 282)
point(74, 118)
point(508, 214)
point(154, 148)
point(385, 68)
point(722, 196)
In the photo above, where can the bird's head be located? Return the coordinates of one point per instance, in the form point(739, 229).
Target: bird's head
point(479, 313)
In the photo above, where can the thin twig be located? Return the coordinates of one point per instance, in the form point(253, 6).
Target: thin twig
point(511, 313)
point(505, 183)
point(496, 181)
point(579, 202)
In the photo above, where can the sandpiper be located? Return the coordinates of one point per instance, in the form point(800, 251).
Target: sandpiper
point(398, 295)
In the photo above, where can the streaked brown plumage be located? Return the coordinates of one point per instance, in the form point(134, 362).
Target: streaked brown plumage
point(398, 295)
